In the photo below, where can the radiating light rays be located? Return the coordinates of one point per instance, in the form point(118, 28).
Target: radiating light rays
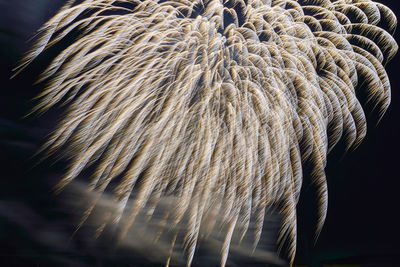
point(212, 100)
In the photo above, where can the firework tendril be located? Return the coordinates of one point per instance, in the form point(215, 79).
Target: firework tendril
point(216, 103)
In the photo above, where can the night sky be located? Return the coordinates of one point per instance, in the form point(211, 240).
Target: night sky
point(362, 226)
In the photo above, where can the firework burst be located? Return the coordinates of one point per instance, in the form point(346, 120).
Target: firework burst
point(215, 103)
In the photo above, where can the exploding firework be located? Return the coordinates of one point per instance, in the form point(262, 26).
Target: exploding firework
point(209, 109)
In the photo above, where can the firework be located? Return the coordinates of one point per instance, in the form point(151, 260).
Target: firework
point(214, 105)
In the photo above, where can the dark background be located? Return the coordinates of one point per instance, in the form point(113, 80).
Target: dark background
point(362, 226)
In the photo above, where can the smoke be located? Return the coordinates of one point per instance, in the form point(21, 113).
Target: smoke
point(150, 240)
point(200, 114)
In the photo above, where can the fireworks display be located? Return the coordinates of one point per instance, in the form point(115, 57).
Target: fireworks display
point(214, 105)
